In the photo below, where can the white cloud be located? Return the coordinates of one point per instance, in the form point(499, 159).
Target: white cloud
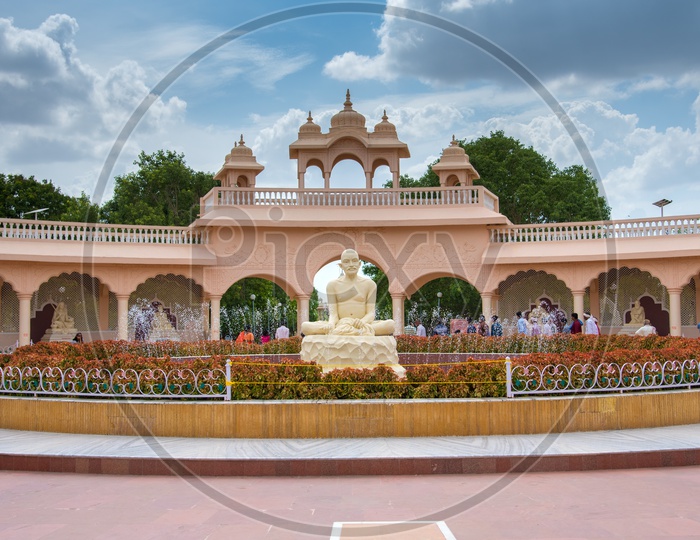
point(351, 67)
point(54, 108)
point(455, 6)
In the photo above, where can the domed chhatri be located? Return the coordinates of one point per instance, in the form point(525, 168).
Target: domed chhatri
point(310, 128)
point(348, 138)
point(240, 167)
point(385, 127)
point(454, 168)
point(348, 117)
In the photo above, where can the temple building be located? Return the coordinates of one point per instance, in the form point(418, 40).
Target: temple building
point(106, 273)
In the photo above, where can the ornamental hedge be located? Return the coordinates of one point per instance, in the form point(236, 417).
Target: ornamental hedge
point(254, 377)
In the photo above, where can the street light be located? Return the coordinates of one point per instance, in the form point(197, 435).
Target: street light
point(35, 212)
point(252, 315)
point(661, 204)
point(439, 295)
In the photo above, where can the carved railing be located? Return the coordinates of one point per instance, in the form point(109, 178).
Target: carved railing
point(27, 229)
point(597, 230)
point(605, 377)
point(100, 382)
point(347, 198)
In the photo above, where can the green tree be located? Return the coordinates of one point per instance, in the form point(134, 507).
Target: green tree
point(81, 209)
point(164, 191)
point(529, 186)
point(19, 195)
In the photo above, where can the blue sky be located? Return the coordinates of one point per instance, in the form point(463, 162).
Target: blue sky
point(626, 72)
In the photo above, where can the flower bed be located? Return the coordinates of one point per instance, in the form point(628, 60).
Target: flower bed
point(113, 368)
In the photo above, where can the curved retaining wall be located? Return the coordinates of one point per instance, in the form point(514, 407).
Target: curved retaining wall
point(366, 418)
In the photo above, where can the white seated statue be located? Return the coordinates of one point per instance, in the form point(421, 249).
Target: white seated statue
point(636, 315)
point(161, 327)
point(351, 337)
point(61, 320)
point(351, 303)
point(62, 325)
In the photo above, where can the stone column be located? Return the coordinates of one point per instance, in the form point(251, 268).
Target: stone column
point(302, 310)
point(123, 316)
point(594, 298)
point(578, 303)
point(496, 304)
point(103, 323)
point(697, 299)
point(326, 182)
point(300, 175)
point(25, 317)
point(674, 308)
point(486, 308)
point(215, 319)
point(397, 304)
point(368, 179)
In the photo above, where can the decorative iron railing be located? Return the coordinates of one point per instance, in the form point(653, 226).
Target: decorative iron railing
point(460, 195)
point(596, 230)
point(605, 377)
point(216, 383)
point(99, 382)
point(29, 229)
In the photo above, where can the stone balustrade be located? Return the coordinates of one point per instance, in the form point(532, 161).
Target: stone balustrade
point(99, 232)
point(597, 230)
point(458, 195)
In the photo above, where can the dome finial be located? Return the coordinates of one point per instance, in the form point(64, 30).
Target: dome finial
point(241, 142)
point(385, 118)
point(348, 103)
point(454, 142)
point(310, 118)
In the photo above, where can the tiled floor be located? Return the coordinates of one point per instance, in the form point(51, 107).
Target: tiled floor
point(640, 504)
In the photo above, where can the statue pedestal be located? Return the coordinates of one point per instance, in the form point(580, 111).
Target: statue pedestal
point(358, 352)
point(629, 329)
point(163, 334)
point(63, 334)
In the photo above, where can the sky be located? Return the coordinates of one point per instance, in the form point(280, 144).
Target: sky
point(626, 73)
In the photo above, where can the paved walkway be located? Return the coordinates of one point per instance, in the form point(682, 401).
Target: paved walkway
point(640, 504)
point(667, 446)
point(630, 502)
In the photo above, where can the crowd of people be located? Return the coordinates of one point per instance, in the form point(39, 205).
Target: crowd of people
point(544, 326)
point(533, 326)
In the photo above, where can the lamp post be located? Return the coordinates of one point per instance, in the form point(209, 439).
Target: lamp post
point(252, 314)
point(439, 295)
point(35, 212)
point(661, 204)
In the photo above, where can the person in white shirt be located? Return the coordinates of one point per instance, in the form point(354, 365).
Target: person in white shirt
point(591, 324)
point(420, 329)
point(548, 329)
point(646, 330)
point(282, 332)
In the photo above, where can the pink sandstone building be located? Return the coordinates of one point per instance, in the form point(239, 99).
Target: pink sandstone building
point(286, 235)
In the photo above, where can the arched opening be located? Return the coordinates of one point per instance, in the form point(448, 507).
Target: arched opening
point(348, 173)
point(168, 307)
point(536, 294)
point(448, 299)
point(258, 303)
point(382, 177)
point(452, 180)
point(242, 181)
point(690, 308)
point(618, 291)
point(313, 177)
point(9, 317)
point(89, 306)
